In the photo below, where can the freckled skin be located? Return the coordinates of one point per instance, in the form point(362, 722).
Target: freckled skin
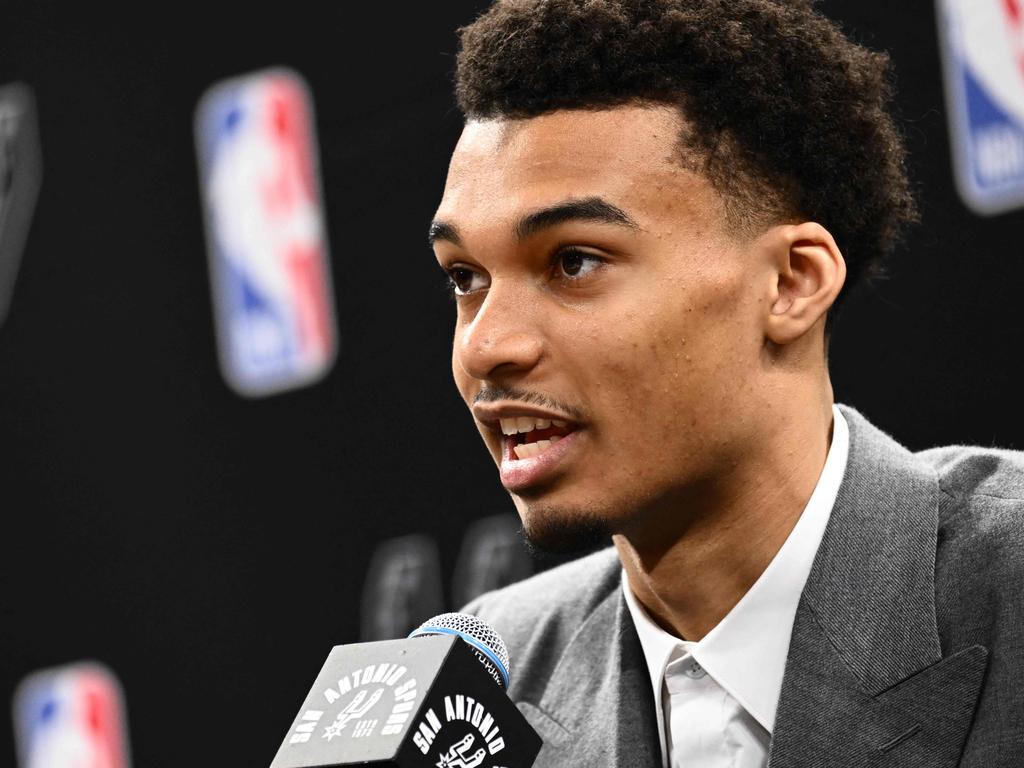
point(662, 349)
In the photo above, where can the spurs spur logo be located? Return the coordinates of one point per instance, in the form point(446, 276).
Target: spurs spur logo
point(458, 755)
point(358, 695)
point(355, 710)
point(471, 750)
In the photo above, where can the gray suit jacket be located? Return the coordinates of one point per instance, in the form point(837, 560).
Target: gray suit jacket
point(907, 648)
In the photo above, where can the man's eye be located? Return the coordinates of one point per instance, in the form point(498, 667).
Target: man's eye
point(462, 281)
point(573, 264)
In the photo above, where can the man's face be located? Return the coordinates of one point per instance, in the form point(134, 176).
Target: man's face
point(600, 286)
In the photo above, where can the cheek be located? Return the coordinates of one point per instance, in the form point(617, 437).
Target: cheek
point(636, 369)
point(664, 375)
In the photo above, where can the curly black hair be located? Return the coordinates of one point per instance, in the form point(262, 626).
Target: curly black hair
point(787, 117)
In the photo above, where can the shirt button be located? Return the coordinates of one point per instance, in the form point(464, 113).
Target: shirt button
point(693, 670)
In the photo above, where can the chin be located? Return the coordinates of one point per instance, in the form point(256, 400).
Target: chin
point(558, 531)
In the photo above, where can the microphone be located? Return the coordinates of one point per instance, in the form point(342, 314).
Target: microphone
point(434, 700)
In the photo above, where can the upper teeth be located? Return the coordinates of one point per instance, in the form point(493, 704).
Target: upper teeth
point(517, 424)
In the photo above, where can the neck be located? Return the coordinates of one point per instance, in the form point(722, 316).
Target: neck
point(688, 569)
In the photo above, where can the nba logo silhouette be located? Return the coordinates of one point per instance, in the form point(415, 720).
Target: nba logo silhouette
point(70, 717)
point(266, 237)
point(983, 55)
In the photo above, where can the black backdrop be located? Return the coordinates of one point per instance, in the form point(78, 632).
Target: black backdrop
point(211, 549)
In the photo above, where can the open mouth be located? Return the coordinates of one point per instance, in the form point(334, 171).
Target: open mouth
point(526, 437)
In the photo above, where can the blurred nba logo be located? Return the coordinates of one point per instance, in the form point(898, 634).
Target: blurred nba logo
point(265, 232)
point(983, 54)
point(70, 717)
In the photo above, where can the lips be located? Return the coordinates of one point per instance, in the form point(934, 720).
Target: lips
point(526, 445)
point(536, 443)
point(542, 464)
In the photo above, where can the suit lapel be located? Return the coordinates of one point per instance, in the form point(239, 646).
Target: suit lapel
point(866, 683)
point(597, 708)
point(826, 716)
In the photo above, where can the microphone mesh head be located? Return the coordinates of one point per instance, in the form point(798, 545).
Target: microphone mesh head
point(482, 639)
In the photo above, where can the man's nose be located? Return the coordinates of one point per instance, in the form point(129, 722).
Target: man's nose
point(503, 338)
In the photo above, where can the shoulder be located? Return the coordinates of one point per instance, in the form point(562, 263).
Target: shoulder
point(538, 617)
point(562, 595)
point(982, 497)
point(979, 566)
point(980, 491)
point(967, 471)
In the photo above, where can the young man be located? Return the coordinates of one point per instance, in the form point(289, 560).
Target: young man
point(652, 213)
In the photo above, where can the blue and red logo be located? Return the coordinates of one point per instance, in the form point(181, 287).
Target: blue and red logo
point(266, 235)
point(71, 717)
point(983, 52)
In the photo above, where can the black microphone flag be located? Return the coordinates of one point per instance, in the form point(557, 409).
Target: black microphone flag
point(423, 702)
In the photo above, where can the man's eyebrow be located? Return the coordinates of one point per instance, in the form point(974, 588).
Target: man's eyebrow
point(443, 230)
point(584, 209)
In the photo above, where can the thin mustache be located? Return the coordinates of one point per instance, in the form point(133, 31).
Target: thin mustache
point(494, 394)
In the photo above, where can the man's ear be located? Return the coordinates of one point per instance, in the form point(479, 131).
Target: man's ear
point(809, 273)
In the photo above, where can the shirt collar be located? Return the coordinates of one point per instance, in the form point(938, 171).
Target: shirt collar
point(746, 651)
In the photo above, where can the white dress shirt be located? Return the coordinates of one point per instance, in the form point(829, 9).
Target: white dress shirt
point(716, 698)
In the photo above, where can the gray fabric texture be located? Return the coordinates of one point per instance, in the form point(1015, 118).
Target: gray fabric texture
point(907, 647)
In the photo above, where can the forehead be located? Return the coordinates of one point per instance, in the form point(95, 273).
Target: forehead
point(629, 156)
